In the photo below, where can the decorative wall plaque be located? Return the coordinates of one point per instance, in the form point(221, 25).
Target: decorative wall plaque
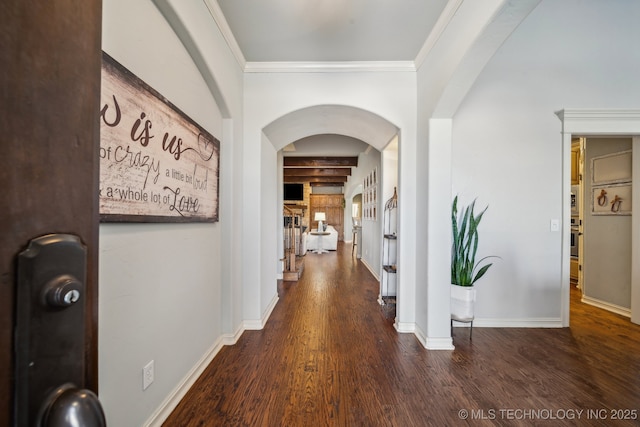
point(611, 178)
point(612, 168)
point(156, 164)
point(614, 199)
point(370, 196)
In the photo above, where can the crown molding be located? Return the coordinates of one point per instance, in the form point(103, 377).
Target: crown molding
point(441, 24)
point(221, 22)
point(594, 113)
point(329, 67)
point(593, 121)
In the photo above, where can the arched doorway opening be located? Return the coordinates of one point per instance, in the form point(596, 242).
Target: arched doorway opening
point(351, 122)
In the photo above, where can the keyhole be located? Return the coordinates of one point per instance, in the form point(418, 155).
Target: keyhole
point(71, 296)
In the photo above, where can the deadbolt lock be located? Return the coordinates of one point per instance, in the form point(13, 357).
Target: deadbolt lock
point(61, 291)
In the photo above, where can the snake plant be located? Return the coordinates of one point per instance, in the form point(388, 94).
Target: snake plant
point(465, 271)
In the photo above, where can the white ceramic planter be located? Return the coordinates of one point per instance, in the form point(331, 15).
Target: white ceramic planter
point(463, 299)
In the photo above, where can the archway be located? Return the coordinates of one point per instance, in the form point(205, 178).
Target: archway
point(339, 120)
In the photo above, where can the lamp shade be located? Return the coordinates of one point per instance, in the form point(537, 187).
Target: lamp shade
point(319, 216)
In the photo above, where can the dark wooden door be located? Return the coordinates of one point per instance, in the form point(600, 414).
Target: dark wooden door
point(50, 58)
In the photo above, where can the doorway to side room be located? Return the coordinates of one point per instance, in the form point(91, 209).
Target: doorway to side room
point(356, 222)
point(601, 222)
point(612, 125)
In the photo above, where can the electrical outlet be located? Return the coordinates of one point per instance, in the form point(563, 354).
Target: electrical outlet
point(147, 375)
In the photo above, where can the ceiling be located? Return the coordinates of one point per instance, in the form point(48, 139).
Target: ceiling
point(320, 145)
point(326, 32)
point(330, 30)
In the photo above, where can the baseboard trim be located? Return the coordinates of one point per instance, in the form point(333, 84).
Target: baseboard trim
point(256, 325)
point(375, 274)
point(543, 322)
point(169, 404)
point(440, 343)
point(405, 327)
point(420, 335)
point(623, 311)
point(161, 414)
point(231, 339)
point(445, 343)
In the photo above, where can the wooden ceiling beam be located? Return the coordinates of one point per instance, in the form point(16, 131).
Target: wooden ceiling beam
point(322, 162)
point(315, 179)
point(317, 172)
point(326, 184)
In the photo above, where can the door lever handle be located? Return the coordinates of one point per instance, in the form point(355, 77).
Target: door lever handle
point(68, 406)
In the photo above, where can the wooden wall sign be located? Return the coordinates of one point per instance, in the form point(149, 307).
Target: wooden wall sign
point(156, 164)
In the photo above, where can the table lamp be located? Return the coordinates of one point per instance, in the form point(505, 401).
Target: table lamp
point(320, 217)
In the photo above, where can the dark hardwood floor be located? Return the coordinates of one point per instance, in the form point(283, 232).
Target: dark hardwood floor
point(329, 356)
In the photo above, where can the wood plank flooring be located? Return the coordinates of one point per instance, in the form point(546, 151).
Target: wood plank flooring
point(329, 356)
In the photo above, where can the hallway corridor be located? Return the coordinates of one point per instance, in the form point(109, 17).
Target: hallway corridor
point(328, 356)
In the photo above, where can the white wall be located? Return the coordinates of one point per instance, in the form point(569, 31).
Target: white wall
point(163, 291)
point(507, 146)
point(217, 64)
point(371, 230)
point(270, 213)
